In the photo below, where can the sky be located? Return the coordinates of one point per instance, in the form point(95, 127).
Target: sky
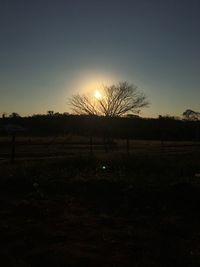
point(50, 50)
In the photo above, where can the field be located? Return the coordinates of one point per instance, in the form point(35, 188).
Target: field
point(71, 146)
point(76, 202)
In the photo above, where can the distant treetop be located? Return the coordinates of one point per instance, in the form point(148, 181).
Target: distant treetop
point(191, 115)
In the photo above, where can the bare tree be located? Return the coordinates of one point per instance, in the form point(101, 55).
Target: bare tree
point(114, 101)
point(83, 104)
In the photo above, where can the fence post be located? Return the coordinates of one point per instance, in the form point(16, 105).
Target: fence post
point(105, 143)
point(91, 144)
point(128, 146)
point(162, 144)
point(13, 144)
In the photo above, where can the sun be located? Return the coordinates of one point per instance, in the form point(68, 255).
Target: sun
point(98, 95)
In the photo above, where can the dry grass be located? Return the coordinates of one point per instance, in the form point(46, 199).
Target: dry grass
point(101, 209)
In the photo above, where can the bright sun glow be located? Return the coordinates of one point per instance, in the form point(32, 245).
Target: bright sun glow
point(98, 95)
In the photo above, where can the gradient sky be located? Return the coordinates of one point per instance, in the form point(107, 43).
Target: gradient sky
point(52, 49)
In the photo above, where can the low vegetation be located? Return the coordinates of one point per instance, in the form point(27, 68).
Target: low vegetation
point(101, 210)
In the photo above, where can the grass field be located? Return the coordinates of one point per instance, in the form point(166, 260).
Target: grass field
point(100, 209)
point(70, 146)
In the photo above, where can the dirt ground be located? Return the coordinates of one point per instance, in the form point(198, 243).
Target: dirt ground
point(56, 216)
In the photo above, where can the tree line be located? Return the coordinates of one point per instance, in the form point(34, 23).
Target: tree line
point(166, 128)
point(112, 112)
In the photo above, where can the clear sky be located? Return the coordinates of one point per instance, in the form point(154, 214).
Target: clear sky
point(52, 49)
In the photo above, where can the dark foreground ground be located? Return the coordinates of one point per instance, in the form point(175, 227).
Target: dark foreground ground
point(91, 212)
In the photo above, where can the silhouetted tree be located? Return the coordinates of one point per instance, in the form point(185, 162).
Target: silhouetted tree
point(50, 112)
point(4, 115)
point(191, 115)
point(14, 115)
point(114, 101)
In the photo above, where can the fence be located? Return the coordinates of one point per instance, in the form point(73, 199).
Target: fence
point(12, 147)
